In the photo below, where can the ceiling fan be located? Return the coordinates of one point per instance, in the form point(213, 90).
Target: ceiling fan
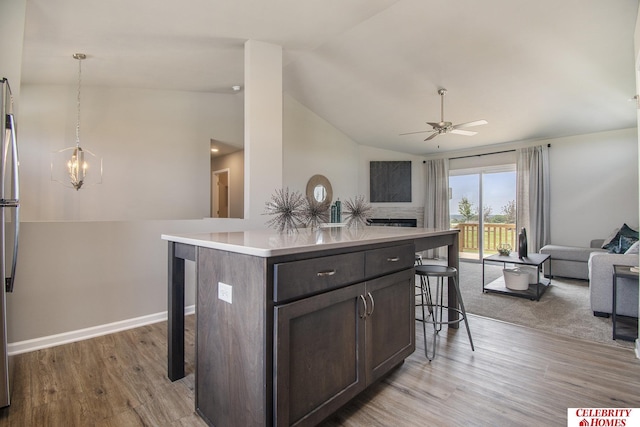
point(448, 127)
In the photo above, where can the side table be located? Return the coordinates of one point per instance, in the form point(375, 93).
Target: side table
point(622, 271)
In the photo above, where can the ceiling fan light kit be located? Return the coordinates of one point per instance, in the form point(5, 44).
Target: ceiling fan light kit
point(448, 127)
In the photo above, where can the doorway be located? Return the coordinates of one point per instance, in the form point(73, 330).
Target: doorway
point(220, 194)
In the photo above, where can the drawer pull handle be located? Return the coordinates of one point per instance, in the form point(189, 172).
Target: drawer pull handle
point(326, 273)
point(373, 304)
point(393, 259)
point(364, 303)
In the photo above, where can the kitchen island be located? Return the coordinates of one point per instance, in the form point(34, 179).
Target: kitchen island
point(290, 327)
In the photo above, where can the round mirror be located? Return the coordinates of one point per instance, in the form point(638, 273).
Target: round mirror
point(319, 189)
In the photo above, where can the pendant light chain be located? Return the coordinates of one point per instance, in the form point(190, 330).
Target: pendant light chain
point(79, 57)
point(442, 93)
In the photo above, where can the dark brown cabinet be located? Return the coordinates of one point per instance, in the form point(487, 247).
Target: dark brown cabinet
point(319, 355)
point(390, 328)
point(287, 340)
point(330, 346)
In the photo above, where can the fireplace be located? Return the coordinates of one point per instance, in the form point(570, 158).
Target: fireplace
point(393, 222)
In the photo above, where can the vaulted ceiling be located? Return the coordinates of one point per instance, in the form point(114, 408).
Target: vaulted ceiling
point(372, 68)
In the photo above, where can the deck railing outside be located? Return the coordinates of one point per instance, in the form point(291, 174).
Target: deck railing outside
point(494, 235)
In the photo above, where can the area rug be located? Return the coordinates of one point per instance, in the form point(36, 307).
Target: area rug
point(563, 309)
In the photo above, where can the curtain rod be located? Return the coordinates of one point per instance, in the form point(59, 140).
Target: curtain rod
point(483, 154)
point(487, 154)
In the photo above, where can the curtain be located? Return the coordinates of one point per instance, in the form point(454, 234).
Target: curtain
point(436, 208)
point(532, 195)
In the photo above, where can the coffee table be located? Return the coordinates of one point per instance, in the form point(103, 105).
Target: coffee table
point(534, 292)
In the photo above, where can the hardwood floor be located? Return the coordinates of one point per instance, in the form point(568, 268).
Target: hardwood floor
point(516, 376)
point(115, 380)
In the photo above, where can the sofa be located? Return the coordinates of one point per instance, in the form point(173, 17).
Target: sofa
point(601, 285)
point(570, 261)
point(595, 263)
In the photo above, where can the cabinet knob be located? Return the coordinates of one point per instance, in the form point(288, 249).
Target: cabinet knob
point(393, 259)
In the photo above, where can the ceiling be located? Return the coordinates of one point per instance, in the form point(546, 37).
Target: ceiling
point(372, 68)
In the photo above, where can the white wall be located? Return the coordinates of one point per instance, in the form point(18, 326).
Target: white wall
point(76, 274)
point(12, 18)
point(594, 185)
point(313, 146)
point(263, 132)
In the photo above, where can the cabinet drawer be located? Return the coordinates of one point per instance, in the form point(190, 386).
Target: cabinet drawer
point(296, 279)
point(387, 260)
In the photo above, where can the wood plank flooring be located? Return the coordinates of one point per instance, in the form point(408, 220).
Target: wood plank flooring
point(516, 377)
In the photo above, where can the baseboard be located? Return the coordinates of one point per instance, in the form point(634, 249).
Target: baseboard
point(83, 334)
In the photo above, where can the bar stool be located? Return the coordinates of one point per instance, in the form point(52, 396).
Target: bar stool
point(424, 292)
point(436, 306)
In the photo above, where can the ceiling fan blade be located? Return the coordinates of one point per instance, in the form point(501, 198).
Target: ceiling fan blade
point(463, 132)
point(469, 124)
point(448, 127)
point(411, 133)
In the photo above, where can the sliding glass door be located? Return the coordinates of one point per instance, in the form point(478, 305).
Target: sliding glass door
point(482, 204)
point(464, 202)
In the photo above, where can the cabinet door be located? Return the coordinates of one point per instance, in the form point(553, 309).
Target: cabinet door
point(319, 355)
point(390, 328)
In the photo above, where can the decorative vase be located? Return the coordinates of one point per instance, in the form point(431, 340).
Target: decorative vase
point(522, 243)
point(504, 249)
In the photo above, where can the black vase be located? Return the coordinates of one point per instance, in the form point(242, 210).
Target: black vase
point(522, 243)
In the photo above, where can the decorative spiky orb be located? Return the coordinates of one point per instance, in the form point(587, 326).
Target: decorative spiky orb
point(287, 208)
point(315, 213)
point(357, 211)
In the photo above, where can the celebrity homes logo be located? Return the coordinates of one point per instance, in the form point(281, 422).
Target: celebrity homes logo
point(603, 417)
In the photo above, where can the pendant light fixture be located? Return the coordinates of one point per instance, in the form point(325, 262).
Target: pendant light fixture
point(71, 166)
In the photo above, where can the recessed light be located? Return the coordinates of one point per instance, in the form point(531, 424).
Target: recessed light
point(236, 88)
point(214, 150)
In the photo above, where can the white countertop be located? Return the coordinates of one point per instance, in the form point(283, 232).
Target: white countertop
point(267, 243)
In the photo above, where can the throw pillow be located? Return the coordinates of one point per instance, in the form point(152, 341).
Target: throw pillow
point(613, 246)
point(610, 237)
point(634, 249)
point(625, 244)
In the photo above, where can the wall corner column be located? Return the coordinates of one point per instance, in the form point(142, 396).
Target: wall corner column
point(262, 125)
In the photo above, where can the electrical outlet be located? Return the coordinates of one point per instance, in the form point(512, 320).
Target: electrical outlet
point(224, 292)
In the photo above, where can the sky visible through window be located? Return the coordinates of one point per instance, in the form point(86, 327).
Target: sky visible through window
point(499, 188)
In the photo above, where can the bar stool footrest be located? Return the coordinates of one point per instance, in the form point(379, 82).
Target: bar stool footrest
point(461, 316)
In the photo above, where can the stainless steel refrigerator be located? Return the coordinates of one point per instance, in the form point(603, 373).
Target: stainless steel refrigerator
point(9, 225)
